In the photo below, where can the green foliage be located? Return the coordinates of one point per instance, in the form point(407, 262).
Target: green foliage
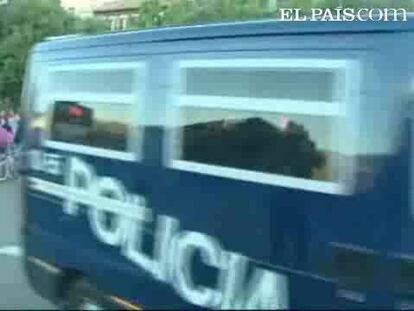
point(22, 24)
point(156, 13)
point(150, 14)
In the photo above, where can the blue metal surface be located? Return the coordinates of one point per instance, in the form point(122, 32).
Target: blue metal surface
point(225, 30)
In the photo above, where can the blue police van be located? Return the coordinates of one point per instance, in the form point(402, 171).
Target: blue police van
point(253, 165)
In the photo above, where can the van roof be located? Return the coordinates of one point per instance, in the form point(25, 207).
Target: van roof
point(223, 30)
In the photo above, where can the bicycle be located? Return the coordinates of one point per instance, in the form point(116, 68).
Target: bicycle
point(8, 163)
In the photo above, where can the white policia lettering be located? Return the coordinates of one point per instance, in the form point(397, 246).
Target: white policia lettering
point(341, 14)
point(173, 248)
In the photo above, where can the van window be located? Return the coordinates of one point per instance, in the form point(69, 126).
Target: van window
point(288, 144)
point(278, 120)
point(94, 81)
point(94, 106)
point(102, 125)
point(261, 83)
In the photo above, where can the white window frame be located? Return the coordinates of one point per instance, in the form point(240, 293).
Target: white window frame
point(114, 21)
point(136, 100)
point(346, 87)
point(123, 22)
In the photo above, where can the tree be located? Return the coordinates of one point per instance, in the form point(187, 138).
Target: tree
point(183, 12)
point(22, 24)
point(151, 14)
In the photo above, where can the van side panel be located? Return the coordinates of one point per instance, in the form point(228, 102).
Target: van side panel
point(306, 240)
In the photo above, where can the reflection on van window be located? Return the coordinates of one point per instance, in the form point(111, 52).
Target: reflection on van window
point(101, 125)
point(93, 81)
point(278, 143)
point(292, 84)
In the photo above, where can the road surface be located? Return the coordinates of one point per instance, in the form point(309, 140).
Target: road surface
point(15, 293)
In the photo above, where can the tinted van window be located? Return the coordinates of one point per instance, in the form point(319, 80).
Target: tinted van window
point(94, 106)
point(102, 125)
point(280, 120)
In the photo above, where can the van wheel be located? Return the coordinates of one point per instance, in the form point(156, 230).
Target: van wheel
point(83, 296)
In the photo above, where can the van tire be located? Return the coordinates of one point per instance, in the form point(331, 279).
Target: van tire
point(80, 293)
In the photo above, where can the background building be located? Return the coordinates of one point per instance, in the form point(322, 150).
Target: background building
point(117, 12)
point(82, 8)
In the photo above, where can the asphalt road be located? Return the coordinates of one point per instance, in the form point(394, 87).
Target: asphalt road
point(15, 292)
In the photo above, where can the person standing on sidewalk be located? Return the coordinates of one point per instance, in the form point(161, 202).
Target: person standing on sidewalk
point(6, 139)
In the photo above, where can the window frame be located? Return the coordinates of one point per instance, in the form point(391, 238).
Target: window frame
point(346, 85)
point(135, 100)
